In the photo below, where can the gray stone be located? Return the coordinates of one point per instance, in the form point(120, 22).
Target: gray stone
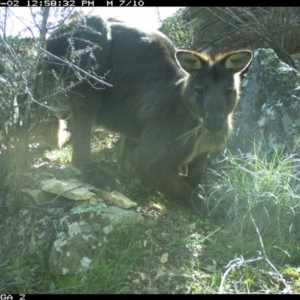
point(269, 109)
point(81, 235)
point(68, 189)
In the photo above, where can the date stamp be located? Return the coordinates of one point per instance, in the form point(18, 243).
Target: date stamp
point(131, 3)
point(71, 3)
point(10, 3)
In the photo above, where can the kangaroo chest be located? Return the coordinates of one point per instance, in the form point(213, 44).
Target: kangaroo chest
point(205, 141)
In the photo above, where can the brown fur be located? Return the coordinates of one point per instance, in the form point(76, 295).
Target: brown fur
point(158, 95)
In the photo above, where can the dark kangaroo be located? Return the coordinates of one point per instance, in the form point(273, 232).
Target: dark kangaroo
point(159, 94)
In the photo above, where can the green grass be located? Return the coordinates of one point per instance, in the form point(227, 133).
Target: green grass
point(250, 243)
point(259, 197)
point(62, 156)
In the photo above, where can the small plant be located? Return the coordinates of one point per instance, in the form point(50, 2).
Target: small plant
point(135, 189)
point(104, 151)
point(61, 156)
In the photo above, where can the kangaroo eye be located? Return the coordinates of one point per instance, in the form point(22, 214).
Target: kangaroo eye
point(200, 90)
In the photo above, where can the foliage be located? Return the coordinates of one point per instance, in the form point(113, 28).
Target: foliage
point(271, 24)
point(22, 114)
point(225, 28)
point(179, 30)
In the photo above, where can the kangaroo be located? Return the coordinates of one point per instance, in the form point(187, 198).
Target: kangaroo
point(172, 106)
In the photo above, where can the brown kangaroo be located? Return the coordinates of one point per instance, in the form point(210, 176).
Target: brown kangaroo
point(159, 94)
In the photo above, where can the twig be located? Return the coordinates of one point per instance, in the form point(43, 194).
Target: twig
point(240, 261)
point(77, 68)
point(48, 202)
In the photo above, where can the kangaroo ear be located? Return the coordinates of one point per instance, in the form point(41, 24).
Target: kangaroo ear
point(237, 61)
point(188, 61)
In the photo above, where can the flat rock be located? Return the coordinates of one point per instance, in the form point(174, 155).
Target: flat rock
point(117, 199)
point(68, 189)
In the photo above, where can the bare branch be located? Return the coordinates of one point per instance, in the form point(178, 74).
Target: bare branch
point(71, 65)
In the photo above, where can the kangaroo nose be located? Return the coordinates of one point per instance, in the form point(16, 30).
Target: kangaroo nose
point(214, 122)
